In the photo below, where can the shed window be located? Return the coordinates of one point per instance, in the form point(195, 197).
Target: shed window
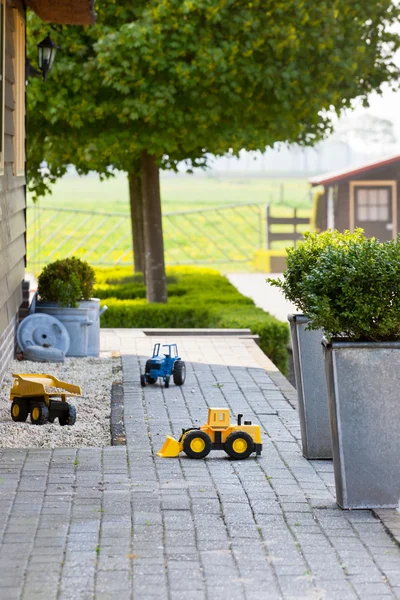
point(19, 93)
point(373, 204)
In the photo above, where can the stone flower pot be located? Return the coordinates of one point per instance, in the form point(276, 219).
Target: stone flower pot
point(311, 389)
point(364, 403)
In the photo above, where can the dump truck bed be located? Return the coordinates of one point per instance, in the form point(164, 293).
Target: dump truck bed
point(35, 384)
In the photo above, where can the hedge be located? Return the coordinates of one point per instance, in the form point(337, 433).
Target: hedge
point(131, 313)
point(197, 298)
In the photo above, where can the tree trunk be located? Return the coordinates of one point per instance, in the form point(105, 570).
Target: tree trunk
point(156, 282)
point(136, 203)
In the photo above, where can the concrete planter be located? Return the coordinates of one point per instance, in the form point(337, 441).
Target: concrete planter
point(364, 403)
point(311, 389)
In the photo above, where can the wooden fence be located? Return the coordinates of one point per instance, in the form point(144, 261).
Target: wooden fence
point(291, 234)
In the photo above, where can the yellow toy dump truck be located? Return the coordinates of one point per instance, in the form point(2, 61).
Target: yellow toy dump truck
point(238, 441)
point(38, 395)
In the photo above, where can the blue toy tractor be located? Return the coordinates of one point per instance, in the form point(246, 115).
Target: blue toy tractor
point(164, 365)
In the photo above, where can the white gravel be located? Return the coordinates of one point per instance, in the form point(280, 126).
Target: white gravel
point(92, 427)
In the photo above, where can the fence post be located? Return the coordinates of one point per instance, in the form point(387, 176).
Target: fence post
point(267, 215)
point(295, 227)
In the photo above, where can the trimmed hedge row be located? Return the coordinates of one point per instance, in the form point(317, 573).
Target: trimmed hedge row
point(197, 298)
point(131, 313)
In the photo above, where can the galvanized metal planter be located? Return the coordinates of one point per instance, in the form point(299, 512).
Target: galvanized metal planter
point(311, 389)
point(75, 320)
point(364, 402)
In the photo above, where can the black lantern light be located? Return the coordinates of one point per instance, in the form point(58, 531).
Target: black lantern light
point(46, 54)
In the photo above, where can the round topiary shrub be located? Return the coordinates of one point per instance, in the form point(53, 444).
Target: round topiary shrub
point(304, 258)
point(354, 290)
point(66, 281)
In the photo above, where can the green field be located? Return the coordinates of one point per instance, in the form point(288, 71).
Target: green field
point(226, 237)
point(180, 193)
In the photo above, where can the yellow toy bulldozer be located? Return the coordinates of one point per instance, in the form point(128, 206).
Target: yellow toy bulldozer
point(36, 394)
point(238, 441)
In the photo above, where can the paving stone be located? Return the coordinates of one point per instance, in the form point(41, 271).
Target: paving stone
point(125, 523)
point(10, 593)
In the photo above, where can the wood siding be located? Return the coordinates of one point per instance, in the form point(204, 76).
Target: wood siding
point(12, 199)
point(342, 200)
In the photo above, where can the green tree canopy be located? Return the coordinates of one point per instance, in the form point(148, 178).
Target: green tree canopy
point(159, 81)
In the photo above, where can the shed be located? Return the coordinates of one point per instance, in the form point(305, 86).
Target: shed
point(367, 196)
point(12, 149)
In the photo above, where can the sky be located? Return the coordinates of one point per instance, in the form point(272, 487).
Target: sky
point(387, 105)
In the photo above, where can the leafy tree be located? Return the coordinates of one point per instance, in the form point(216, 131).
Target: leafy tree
point(158, 81)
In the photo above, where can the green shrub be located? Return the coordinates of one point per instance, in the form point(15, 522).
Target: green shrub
point(121, 275)
point(122, 291)
point(131, 291)
point(354, 291)
point(303, 259)
point(197, 298)
point(66, 281)
point(131, 313)
point(274, 334)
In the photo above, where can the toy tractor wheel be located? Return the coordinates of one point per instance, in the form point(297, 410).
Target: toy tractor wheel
point(143, 380)
point(39, 413)
point(197, 444)
point(19, 409)
point(239, 445)
point(179, 372)
point(147, 370)
point(69, 417)
point(167, 381)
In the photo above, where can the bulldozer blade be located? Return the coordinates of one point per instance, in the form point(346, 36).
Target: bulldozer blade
point(171, 448)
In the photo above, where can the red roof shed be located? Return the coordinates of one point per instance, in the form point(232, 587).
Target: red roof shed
point(366, 196)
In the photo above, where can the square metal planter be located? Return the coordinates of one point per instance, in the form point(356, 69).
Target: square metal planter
point(364, 403)
point(312, 393)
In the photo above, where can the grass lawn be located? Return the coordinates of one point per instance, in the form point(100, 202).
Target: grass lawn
point(179, 193)
point(227, 239)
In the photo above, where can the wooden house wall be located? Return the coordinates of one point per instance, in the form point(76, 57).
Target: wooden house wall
point(12, 210)
point(342, 206)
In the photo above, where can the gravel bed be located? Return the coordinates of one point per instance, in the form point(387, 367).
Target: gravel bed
point(93, 408)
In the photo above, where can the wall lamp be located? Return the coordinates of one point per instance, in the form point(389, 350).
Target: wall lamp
point(47, 50)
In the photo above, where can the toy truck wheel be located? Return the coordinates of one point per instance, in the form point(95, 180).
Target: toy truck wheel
point(167, 381)
point(239, 445)
point(19, 409)
point(197, 444)
point(39, 413)
point(143, 380)
point(147, 370)
point(179, 372)
point(69, 417)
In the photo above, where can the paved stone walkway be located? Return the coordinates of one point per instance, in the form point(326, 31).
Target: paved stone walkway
point(122, 523)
